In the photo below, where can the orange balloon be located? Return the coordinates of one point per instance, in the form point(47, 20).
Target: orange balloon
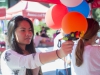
point(55, 15)
point(74, 21)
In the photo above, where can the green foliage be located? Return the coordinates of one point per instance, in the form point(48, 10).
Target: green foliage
point(2, 37)
point(96, 14)
point(37, 28)
point(0, 30)
point(93, 13)
point(50, 32)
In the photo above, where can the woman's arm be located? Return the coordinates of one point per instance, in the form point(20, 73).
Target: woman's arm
point(32, 61)
point(66, 48)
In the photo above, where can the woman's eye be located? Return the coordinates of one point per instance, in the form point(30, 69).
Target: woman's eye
point(22, 30)
point(30, 30)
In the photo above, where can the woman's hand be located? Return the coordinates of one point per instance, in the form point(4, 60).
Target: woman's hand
point(66, 48)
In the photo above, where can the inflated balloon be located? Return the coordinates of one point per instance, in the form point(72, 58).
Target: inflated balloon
point(71, 3)
point(83, 8)
point(54, 15)
point(74, 22)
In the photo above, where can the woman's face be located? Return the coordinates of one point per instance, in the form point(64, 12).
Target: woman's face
point(23, 33)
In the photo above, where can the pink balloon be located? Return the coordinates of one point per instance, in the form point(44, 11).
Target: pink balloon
point(71, 3)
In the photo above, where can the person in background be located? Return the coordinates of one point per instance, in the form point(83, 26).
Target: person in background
point(63, 65)
point(43, 32)
point(21, 57)
point(86, 53)
point(42, 41)
point(56, 33)
point(37, 39)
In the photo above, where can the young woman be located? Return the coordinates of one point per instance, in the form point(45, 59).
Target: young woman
point(21, 57)
point(86, 54)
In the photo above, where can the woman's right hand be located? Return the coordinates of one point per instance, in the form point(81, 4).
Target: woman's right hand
point(66, 48)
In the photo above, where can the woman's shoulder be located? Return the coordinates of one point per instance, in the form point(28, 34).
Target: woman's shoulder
point(9, 51)
point(93, 50)
point(95, 46)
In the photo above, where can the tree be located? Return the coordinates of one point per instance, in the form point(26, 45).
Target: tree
point(96, 14)
point(0, 30)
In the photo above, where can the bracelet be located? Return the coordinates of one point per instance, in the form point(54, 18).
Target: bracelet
point(57, 54)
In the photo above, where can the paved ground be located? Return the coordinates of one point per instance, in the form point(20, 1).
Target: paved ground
point(49, 69)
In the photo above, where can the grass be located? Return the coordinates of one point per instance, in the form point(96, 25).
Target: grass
point(2, 37)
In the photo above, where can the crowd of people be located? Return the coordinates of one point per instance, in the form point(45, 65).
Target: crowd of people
point(21, 58)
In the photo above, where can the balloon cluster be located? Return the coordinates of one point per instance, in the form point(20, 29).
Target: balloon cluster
point(70, 15)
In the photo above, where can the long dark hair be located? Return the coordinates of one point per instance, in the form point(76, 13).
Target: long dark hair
point(12, 43)
point(92, 30)
point(12, 25)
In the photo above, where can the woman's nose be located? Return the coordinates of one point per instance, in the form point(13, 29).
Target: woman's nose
point(28, 33)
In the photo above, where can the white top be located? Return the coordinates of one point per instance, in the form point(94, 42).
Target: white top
point(59, 63)
point(13, 63)
point(91, 64)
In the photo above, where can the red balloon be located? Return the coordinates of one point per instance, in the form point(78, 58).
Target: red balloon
point(55, 15)
point(74, 21)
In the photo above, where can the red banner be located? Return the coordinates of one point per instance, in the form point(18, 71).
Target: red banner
point(95, 4)
point(34, 15)
point(2, 12)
